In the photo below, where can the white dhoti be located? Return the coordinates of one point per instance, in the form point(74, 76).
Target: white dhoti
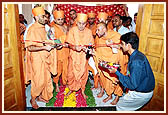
point(133, 100)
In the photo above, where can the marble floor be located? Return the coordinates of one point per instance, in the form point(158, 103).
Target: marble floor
point(99, 101)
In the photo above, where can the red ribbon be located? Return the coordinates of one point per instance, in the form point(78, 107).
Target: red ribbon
point(97, 45)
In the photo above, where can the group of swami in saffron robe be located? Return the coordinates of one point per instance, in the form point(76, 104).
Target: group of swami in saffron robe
point(47, 59)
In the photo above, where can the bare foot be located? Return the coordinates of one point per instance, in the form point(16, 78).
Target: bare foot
point(42, 100)
point(101, 93)
point(84, 95)
point(34, 104)
point(96, 87)
point(99, 87)
point(92, 88)
point(57, 88)
point(107, 99)
point(114, 102)
point(68, 93)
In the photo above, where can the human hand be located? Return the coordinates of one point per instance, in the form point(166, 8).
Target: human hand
point(48, 48)
point(59, 47)
point(124, 6)
point(112, 70)
point(48, 42)
point(84, 48)
point(109, 43)
point(66, 45)
point(115, 81)
point(91, 51)
point(78, 48)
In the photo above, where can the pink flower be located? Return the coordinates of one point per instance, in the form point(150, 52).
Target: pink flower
point(81, 102)
point(60, 97)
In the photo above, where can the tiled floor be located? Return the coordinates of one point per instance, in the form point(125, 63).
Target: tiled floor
point(28, 97)
point(99, 101)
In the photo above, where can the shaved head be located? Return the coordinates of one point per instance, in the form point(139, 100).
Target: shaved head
point(102, 25)
point(101, 29)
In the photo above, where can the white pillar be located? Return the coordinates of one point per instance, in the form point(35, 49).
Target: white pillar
point(27, 12)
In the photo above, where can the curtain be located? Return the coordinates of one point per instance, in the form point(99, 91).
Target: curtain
point(115, 8)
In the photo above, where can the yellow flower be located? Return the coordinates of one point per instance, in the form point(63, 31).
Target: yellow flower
point(69, 101)
point(111, 64)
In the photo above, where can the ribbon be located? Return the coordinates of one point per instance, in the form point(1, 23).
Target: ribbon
point(94, 46)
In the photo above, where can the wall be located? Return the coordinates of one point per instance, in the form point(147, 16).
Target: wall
point(132, 9)
point(26, 9)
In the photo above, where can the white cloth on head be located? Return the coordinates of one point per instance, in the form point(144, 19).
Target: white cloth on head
point(133, 100)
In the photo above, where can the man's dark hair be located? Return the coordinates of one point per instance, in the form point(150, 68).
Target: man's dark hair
point(129, 18)
point(21, 15)
point(37, 5)
point(119, 16)
point(124, 19)
point(72, 10)
point(25, 21)
point(135, 14)
point(131, 38)
point(46, 12)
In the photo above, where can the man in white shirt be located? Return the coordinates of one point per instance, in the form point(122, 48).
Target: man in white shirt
point(134, 22)
point(128, 23)
point(117, 24)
